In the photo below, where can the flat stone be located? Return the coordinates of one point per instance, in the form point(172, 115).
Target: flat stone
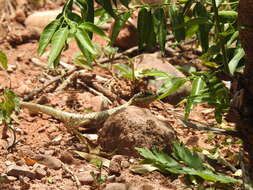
point(18, 171)
point(39, 20)
point(135, 127)
point(153, 60)
point(85, 178)
point(66, 157)
point(40, 172)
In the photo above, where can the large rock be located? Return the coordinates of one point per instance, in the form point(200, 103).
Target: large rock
point(134, 127)
point(18, 171)
point(152, 60)
point(38, 20)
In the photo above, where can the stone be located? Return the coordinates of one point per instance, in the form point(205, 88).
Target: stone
point(39, 20)
point(116, 186)
point(153, 60)
point(85, 178)
point(18, 171)
point(40, 172)
point(135, 127)
point(49, 161)
point(147, 187)
point(115, 164)
point(11, 178)
point(66, 157)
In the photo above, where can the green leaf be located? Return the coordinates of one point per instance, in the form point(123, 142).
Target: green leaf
point(107, 5)
point(118, 25)
point(197, 87)
point(125, 2)
point(8, 105)
point(180, 152)
point(3, 60)
point(160, 27)
point(170, 86)
point(177, 18)
point(84, 42)
point(228, 15)
point(125, 71)
point(233, 38)
point(158, 158)
point(209, 175)
point(191, 165)
point(203, 34)
point(232, 65)
point(93, 28)
point(142, 28)
point(58, 41)
point(192, 22)
point(47, 35)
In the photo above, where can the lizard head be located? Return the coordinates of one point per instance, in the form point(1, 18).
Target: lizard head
point(143, 98)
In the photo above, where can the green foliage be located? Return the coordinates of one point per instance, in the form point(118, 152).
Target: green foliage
point(3, 60)
point(8, 105)
point(207, 88)
point(71, 25)
point(181, 161)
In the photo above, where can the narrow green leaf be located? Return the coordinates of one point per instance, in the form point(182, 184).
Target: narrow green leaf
point(160, 27)
point(177, 18)
point(3, 60)
point(142, 27)
point(118, 25)
point(93, 28)
point(58, 41)
point(233, 38)
point(203, 34)
point(170, 86)
point(180, 152)
point(47, 35)
point(229, 15)
point(84, 42)
point(125, 2)
point(232, 65)
point(107, 5)
point(197, 87)
point(194, 21)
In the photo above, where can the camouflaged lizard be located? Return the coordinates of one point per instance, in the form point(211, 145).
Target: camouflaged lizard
point(76, 120)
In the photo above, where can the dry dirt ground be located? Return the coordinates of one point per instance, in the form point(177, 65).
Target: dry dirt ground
point(39, 134)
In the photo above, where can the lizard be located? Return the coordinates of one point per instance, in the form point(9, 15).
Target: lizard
point(74, 120)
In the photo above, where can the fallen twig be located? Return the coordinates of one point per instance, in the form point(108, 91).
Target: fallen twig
point(31, 95)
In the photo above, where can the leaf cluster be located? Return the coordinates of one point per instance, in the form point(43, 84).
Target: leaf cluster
point(181, 161)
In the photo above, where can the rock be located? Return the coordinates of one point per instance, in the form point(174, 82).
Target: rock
point(134, 127)
point(11, 178)
point(116, 186)
point(111, 178)
point(152, 60)
point(127, 37)
point(115, 164)
point(85, 178)
point(66, 157)
point(18, 171)
point(20, 16)
point(125, 164)
point(39, 20)
point(49, 161)
point(40, 172)
point(147, 187)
